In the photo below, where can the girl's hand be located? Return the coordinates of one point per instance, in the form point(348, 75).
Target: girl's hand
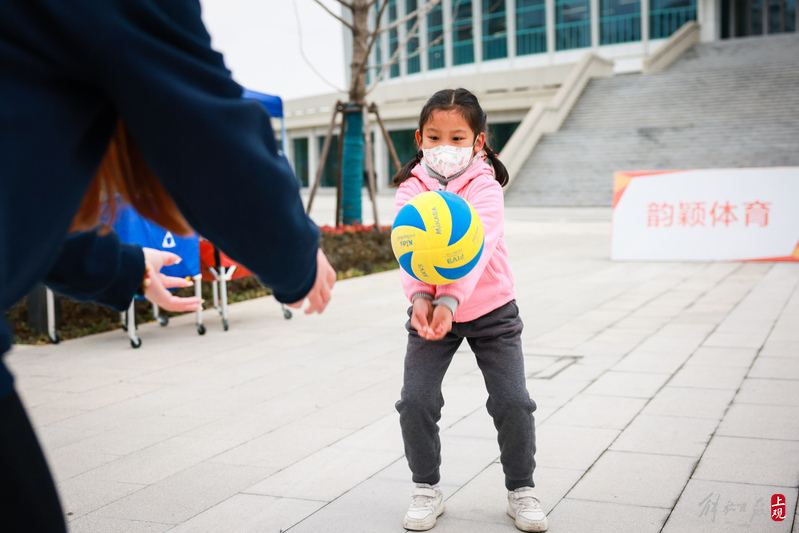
point(441, 323)
point(421, 317)
point(158, 292)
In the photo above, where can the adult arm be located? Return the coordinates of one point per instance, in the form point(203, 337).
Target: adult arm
point(214, 152)
point(98, 267)
point(101, 268)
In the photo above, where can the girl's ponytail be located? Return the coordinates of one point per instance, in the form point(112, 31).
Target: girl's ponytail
point(405, 172)
point(500, 172)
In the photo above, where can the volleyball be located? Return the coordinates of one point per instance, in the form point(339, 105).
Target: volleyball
point(437, 237)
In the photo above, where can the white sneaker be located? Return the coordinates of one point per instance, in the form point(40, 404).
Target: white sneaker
point(426, 506)
point(525, 507)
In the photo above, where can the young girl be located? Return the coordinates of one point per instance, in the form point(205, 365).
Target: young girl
point(480, 308)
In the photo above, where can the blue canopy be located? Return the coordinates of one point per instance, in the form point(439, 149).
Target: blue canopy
point(273, 104)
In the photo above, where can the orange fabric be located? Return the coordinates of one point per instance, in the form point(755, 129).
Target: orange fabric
point(207, 260)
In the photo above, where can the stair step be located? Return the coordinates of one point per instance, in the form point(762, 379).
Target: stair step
point(723, 104)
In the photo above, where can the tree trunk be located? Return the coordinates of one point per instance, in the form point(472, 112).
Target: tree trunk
point(352, 160)
point(360, 37)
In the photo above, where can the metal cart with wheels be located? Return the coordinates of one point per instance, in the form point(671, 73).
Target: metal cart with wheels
point(217, 268)
point(133, 228)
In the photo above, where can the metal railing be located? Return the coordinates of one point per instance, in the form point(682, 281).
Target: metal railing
point(495, 47)
point(664, 22)
point(620, 29)
point(531, 41)
point(463, 52)
point(570, 35)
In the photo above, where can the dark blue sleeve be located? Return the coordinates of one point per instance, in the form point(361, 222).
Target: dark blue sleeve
point(214, 152)
point(99, 268)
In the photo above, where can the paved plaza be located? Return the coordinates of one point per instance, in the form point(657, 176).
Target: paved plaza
point(668, 400)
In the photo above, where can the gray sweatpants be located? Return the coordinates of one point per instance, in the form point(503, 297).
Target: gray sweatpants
point(495, 339)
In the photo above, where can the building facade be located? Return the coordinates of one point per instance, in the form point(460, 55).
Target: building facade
point(511, 54)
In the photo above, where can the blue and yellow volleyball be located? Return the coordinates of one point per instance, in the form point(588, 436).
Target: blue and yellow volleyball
point(437, 237)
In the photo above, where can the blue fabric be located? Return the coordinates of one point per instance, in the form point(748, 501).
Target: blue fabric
point(69, 71)
point(133, 228)
point(273, 104)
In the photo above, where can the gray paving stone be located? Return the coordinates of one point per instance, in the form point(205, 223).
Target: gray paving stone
point(606, 412)
point(629, 384)
point(690, 402)
point(776, 367)
point(178, 498)
point(319, 476)
point(641, 361)
point(666, 435)
point(750, 460)
point(102, 524)
point(462, 458)
point(769, 392)
point(282, 447)
point(250, 513)
point(713, 506)
point(736, 339)
point(603, 517)
point(774, 348)
point(748, 420)
point(81, 495)
point(635, 479)
point(575, 448)
point(714, 356)
point(709, 377)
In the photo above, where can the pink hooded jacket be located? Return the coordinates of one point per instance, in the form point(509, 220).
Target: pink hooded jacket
point(490, 284)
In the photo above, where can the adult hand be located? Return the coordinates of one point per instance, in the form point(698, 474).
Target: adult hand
point(157, 291)
point(320, 292)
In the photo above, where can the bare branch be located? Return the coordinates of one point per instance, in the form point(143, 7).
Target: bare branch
point(395, 57)
point(420, 12)
point(413, 32)
point(372, 37)
point(345, 4)
point(347, 24)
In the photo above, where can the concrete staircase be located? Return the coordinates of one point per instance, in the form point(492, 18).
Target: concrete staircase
point(731, 103)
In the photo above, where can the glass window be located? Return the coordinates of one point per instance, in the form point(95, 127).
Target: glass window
point(531, 27)
point(667, 16)
point(462, 33)
point(331, 162)
point(404, 142)
point(619, 21)
point(393, 39)
point(300, 156)
point(790, 15)
point(377, 58)
point(572, 24)
point(495, 30)
point(498, 134)
point(781, 16)
point(435, 38)
point(413, 63)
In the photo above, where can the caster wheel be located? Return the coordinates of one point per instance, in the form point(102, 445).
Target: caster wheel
point(163, 320)
point(124, 326)
point(224, 325)
point(135, 343)
point(201, 329)
point(286, 314)
point(56, 339)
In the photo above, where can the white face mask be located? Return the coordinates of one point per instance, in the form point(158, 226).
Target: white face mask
point(448, 160)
